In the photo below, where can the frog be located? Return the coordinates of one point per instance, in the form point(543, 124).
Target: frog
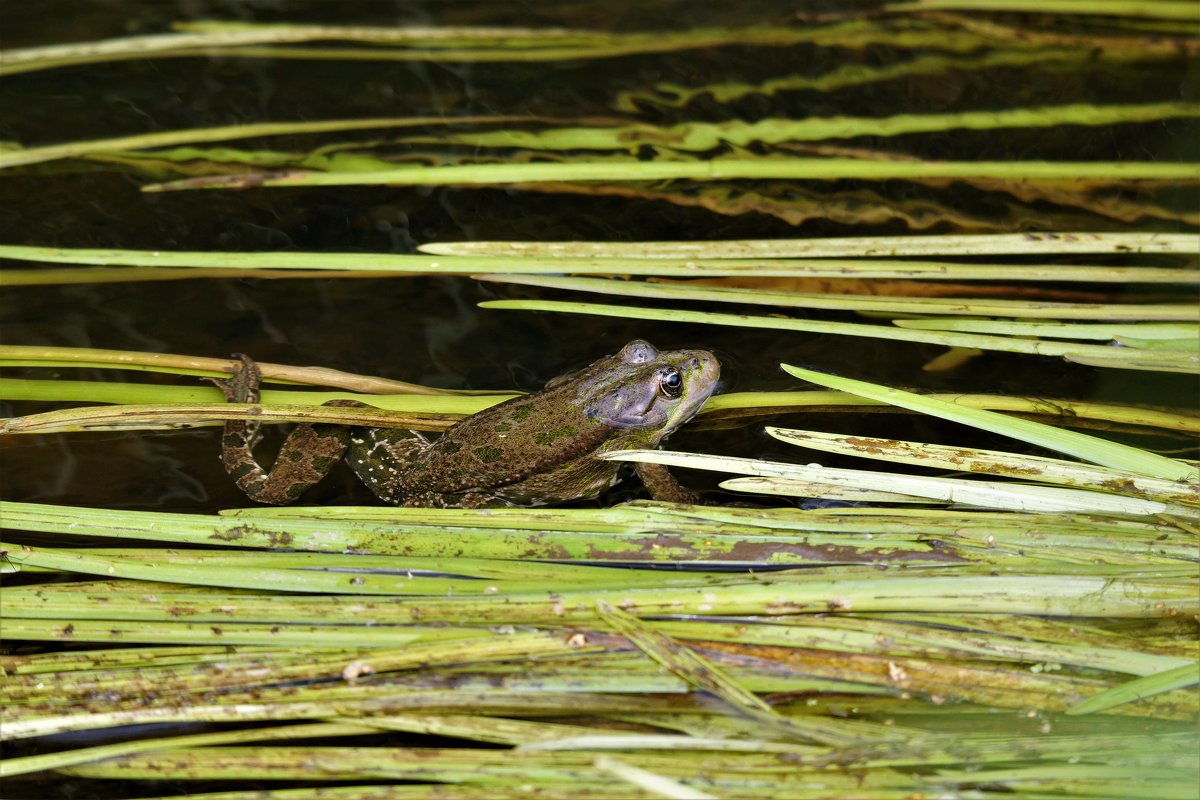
point(538, 449)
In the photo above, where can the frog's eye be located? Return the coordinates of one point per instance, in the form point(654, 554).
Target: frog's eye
point(671, 383)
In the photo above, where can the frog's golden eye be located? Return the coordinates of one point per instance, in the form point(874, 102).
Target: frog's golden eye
point(671, 383)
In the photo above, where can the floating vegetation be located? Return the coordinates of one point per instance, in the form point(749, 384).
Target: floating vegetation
point(945, 621)
point(1013, 325)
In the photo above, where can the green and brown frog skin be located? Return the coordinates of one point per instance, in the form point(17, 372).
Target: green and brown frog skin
point(539, 449)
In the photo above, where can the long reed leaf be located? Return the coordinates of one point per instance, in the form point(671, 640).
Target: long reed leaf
point(700, 136)
point(40, 155)
point(1159, 9)
point(1113, 331)
point(984, 494)
point(1177, 678)
point(463, 43)
point(1089, 448)
point(149, 265)
point(991, 462)
point(86, 755)
point(1053, 594)
point(32, 355)
point(704, 675)
point(1067, 412)
point(1106, 356)
point(152, 417)
point(1125, 243)
point(977, 306)
point(619, 535)
point(822, 169)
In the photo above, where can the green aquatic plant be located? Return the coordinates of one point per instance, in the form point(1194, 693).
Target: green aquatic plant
point(957, 622)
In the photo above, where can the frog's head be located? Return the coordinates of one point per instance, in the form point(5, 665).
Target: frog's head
point(644, 393)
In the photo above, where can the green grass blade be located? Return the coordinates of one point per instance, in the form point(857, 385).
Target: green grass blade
point(991, 462)
point(853, 247)
point(25, 355)
point(780, 257)
point(1186, 362)
point(1065, 410)
point(1180, 677)
point(1088, 448)
point(1185, 343)
point(666, 94)
point(349, 578)
point(686, 136)
point(1068, 412)
point(706, 676)
point(651, 782)
point(630, 534)
point(40, 155)
point(1112, 331)
point(203, 39)
point(1159, 9)
point(865, 303)
point(86, 755)
point(156, 265)
point(724, 169)
point(171, 417)
point(1056, 593)
point(984, 494)
point(702, 136)
point(1113, 357)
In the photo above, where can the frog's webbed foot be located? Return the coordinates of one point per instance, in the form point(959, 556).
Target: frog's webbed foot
point(307, 455)
point(242, 385)
point(663, 486)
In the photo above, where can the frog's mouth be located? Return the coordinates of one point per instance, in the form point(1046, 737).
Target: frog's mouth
point(702, 378)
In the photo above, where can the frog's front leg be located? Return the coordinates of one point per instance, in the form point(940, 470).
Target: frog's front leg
point(662, 484)
point(307, 455)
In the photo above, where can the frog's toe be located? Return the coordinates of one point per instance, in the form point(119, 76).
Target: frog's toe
point(343, 403)
point(242, 385)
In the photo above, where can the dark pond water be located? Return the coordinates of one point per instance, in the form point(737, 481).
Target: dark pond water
point(429, 330)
